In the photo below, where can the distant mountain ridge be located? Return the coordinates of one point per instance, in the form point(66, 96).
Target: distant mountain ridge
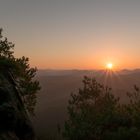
point(63, 72)
point(53, 72)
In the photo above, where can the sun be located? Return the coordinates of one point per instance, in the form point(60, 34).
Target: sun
point(109, 66)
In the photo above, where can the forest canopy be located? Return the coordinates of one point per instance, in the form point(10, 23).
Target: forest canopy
point(96, 114)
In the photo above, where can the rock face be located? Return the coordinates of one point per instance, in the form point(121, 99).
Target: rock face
point(14, 120)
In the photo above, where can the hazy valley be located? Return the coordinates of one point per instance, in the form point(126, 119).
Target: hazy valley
point(58, 84)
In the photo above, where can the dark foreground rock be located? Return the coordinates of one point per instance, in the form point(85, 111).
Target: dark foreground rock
point(14, 120)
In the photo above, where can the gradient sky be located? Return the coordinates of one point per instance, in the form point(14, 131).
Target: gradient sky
point(74, 34)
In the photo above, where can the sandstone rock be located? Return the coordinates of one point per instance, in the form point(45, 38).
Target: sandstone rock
point(14, 120)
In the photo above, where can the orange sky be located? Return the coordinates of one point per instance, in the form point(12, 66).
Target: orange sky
point(83, 53)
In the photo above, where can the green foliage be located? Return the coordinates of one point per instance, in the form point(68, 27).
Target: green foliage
point(22, 72)
point(96, 114)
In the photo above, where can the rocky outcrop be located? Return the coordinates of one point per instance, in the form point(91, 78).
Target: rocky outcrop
point(14, 121)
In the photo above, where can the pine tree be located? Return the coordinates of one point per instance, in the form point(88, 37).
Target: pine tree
point(21, 71)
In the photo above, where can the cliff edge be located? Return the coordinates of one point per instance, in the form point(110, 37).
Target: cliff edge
point(14, 119)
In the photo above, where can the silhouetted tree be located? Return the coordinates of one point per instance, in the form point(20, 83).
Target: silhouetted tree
point(96, 114)
point(21, 71)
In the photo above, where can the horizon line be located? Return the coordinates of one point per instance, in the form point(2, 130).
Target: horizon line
point(76, 69)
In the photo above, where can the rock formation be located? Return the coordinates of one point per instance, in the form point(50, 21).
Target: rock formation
point(14, 119)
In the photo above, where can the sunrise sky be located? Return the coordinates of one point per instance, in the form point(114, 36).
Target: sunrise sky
point(74, 34)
